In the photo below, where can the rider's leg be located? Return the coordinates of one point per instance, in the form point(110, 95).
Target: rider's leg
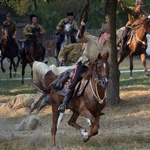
point(24, 50)
point(125, 36)
point(76, 78)
point(60, 39)
point(16, 48)
point(73, 39)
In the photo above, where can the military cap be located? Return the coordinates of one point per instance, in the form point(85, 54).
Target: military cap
point(8, 15)
point(31, 16)
point(70, 13)
point(104, 28)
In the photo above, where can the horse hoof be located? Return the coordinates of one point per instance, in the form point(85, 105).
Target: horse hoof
point(131, 78)
point(85, 139)
point(3, 70)
point(147, 74)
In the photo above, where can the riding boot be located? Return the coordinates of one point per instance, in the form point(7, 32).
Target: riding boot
point(68, 95)
point(121, 52)
point(56, 53)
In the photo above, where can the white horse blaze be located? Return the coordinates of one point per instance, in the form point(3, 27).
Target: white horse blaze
point(59, 119)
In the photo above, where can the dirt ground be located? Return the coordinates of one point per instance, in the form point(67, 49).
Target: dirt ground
point(130, 118)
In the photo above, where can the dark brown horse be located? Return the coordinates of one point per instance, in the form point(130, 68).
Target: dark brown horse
point(89, 104)
point(34, 50)
point(9, 49)
point(137, 42)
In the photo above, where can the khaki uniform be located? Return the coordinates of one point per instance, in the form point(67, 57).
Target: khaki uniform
point(60, 26)
point(71, 53)
point(27, 30)
point(12, 26)
point(132, 15)
point(93, 48)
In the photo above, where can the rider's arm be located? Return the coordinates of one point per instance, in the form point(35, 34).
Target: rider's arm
point(129, 10)
point(27, 30)
point(74, 25)
point(42, 31)
point(80, 35)
point(60, 25)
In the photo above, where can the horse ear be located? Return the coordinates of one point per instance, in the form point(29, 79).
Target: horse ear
point(105, 56)
point(99, 56)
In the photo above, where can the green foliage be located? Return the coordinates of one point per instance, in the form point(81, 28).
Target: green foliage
point(20, 7)
point(51, 11)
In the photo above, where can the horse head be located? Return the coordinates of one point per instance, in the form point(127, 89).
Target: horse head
point(7, 32)
point(68, 28)
point(99, 69)
point(37, 36)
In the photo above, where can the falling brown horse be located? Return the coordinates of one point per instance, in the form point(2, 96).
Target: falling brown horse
point(34, 50)
point(89, 104)
point(9, 49)
point(137, 42)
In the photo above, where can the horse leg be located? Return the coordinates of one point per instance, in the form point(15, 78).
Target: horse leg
point(122, 57)
point(23, 71)
point(94, 127)
point(143, 60)
point(15, 67)
point(2, 58)
point(38, 98)
point(131, 65)
point(10, 68)
point(72, 122)
point(54, 123)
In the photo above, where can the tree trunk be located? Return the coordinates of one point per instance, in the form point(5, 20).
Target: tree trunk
point(35, 5)
point(112, 90)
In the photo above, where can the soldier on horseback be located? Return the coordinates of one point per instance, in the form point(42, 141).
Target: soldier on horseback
point(12, 28)
point(94, 46)
point(27, 31)
point(133, 14)
point(60, 31)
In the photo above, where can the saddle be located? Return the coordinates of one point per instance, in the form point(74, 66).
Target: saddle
point(61, 84)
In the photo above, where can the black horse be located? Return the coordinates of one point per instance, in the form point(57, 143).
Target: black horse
point(34, 51)
point(9, 49)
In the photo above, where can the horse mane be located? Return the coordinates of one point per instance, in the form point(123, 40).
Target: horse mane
point(140, 20)
point(88, 74)
point(40, 69)
point(36, 29)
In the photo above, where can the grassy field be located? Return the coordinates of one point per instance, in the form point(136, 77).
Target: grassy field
point(124, 127)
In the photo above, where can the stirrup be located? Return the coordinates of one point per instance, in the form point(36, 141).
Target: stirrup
point(62, 108)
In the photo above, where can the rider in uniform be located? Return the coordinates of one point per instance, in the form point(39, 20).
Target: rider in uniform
point(94, 46)
point(27, 31)
point(12, 27)
point(71, 53)
point(60, 31)
point(133, 14)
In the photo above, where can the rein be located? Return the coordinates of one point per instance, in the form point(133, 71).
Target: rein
point(143, 42)
point(136, 36)
point(97, 80)
point(101, 101)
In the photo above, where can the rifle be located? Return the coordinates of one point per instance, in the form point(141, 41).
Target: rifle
point(86, 10)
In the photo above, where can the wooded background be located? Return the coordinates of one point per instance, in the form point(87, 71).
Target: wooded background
point(51, 11)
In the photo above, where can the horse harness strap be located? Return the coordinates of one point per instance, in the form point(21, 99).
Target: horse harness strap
point(143, 42)
point(101, 101)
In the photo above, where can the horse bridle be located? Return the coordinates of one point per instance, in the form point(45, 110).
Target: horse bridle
point(100, 82)
point(99, 78)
